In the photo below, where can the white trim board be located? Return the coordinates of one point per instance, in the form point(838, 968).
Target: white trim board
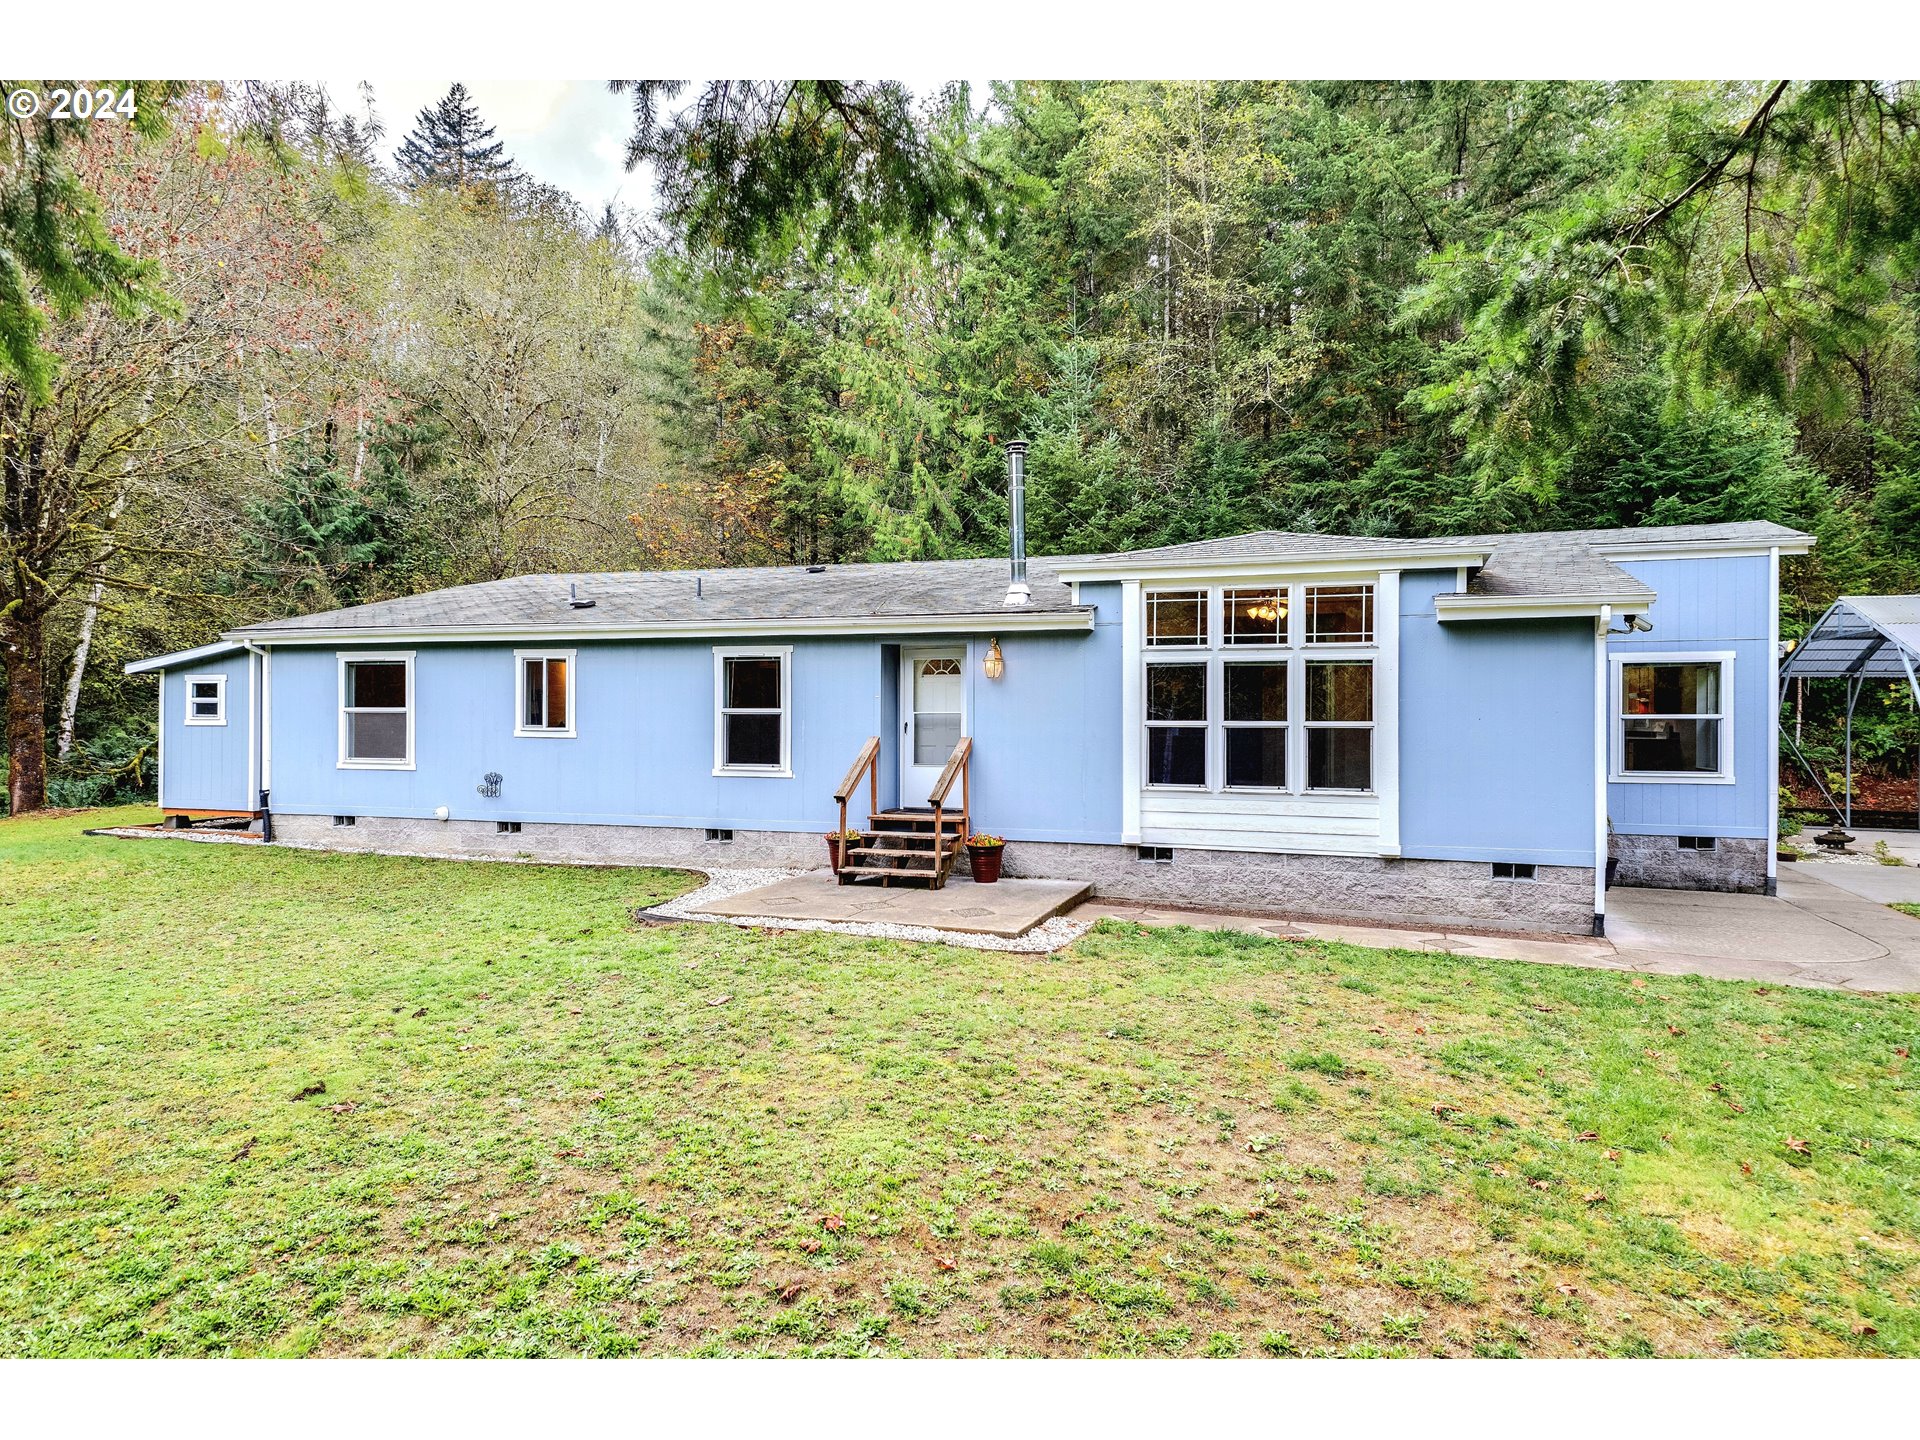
point(886, 626)
point(181, 657)
point(1218, 569)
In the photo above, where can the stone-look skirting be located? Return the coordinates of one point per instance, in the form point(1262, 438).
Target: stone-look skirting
point(1658, 862)
point(1338, 887)
point(564, 844)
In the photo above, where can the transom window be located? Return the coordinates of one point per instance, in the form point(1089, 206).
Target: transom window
point(751, 711)
point(543, 703)
point(1176, 617)
point(1671, 717)
point(376, 711)
point(206, 699)
point(1289, 720)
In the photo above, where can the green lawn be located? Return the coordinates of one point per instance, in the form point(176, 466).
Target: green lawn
point(547, 1129)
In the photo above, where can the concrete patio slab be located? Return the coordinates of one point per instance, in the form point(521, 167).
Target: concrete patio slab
point(1885, 884)
point(1006, 909)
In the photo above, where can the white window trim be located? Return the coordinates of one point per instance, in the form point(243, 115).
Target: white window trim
point(1617, 772)
point(520, 727)
point(219, 682)
point(1293, 650)
point(347, 657)
point(724, 653)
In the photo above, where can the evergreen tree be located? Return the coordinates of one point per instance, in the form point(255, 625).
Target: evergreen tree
point(448, 147)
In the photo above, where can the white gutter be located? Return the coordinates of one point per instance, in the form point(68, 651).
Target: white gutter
point(1697, 549)
point(1601, 625)
point(1773, 720)
point(1539, 607)
point(998, 622)
point(265, 695)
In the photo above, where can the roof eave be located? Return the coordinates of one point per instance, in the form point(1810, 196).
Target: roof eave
point(1079, 619)
point(223, 646)
point(1538, 607)
point(1211, 566)
point(1795, 544)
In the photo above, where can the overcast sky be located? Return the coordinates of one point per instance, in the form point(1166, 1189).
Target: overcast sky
point(569, 133)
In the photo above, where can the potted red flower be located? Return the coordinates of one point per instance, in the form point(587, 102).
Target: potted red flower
point(984, 854)
point(834, 837)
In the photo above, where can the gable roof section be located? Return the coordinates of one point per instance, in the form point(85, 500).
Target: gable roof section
point(1553, 572)
point(183, 657)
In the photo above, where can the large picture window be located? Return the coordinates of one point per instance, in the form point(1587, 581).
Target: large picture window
point(544, 684)
point(1275, 690)
point(1672, 718)
point(751, 712)
point(376, 711)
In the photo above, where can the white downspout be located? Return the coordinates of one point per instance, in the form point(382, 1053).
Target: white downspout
point(1601, 626)
point(1773, 720)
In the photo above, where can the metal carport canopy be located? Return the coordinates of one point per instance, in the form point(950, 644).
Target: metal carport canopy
point(1873, 637)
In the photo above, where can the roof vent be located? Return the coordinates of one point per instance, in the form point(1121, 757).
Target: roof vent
point(574, 600)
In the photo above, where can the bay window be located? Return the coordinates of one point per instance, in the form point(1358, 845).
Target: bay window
point(1271, 687)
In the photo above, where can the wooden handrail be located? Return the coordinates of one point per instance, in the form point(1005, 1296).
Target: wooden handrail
point(957, 764)
point(868, 760)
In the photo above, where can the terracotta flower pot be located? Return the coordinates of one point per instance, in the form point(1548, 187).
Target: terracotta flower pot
point(833, 850)
point(984, 861)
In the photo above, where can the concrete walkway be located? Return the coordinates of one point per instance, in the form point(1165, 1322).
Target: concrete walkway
point(1817, 932)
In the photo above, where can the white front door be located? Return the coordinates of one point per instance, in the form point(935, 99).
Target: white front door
point(932, 715)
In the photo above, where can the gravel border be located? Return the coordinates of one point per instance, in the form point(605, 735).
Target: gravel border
point(201, 837)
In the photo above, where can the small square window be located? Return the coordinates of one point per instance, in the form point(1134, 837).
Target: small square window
point(506, 827)
point(206, 699)
point(1508, 870)
point(720, 836)
point(1696, 842)
point(1155, 854)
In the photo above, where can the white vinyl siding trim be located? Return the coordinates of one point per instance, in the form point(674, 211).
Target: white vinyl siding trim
point(569, 658)
point(357, 657)
point(724, 653)
point(206, 690)
point(1616, 697)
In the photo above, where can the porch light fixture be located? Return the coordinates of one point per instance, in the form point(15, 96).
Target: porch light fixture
point(995, 664)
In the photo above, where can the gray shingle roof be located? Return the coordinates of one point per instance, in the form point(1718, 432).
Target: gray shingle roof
point(1542, 564)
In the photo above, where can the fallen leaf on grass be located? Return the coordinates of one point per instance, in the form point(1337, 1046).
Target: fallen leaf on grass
point(1761, 990)
point(319, 1087)
point(1566, 1289)
point(569, 1154)
point(573, 1010)
point(721, 1001)
point(245, 1150)
point(1538, 1184)
point(1637, 983)
point(1613, 1155)
point(1675, 1030)
point(1866, 1328)
point(943, 1262)
point(1651, 1054)
point(345, 1107)
point(1901, 1051)
point(1595, 1197)
point(791, 1293)
point(1746, 1168)
point(466, 1047)
point(833, 1222)
point(1544, 1009)
point(1441, 1109)
point(1799, 1147)
point(1736, 1107)
point(1586, 1135)
point(418, 1014)
point(167, 1202)
point(810, 1245)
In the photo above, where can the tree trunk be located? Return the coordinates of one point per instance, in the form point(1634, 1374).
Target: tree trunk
point(70, 702)
point(23, 649)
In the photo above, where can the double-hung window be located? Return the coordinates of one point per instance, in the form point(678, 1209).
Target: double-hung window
point(544, 686)
point(1260, 687)
point(376, 711)
point(1671, 715)
point(752, 702)
point(206, 700)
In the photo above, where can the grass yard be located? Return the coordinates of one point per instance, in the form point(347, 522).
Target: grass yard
point(547, 1129)
point(1913, 910)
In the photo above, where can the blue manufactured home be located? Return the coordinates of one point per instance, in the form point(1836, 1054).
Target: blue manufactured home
point(1458, 730)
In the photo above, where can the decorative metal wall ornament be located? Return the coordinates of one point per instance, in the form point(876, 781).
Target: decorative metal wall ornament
point(489, 785)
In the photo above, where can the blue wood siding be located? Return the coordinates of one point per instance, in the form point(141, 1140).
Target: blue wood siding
point(1496, 735)
point(206, 765)
point(1046, 737)
point(1708, 605)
